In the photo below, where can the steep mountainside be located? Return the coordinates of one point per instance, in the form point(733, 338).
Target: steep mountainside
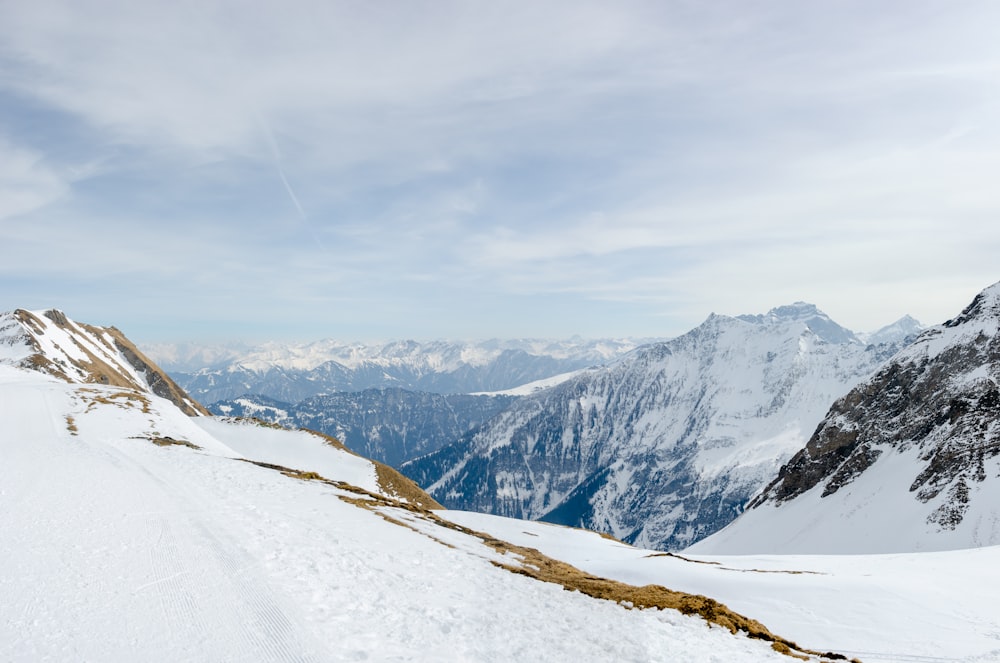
point(294, 373)
point(664, 446)
point(908, 460)
point(79, 353)
point(388, 425)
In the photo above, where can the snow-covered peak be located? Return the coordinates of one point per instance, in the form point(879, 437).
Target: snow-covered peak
point(809, 315)
point(438, 355)
point(904, 327)
point(51, 343)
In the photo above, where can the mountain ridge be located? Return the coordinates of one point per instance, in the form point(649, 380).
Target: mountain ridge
point(295, 373)
point(51, 343)
point(664, 445)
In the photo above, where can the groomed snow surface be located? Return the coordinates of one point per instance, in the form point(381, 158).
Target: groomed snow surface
point(115, 549)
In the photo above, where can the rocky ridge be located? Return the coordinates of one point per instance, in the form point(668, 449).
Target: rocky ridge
point(51, 343)
point(939, 396)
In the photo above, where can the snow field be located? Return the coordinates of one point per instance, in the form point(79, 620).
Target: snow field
point(117, 549)
point(902, 607)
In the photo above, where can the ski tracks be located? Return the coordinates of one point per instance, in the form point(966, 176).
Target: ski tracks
point(215, 602)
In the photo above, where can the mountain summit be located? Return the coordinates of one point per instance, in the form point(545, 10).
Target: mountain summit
point(907, 460)
point(815, 320)
point(51, 343)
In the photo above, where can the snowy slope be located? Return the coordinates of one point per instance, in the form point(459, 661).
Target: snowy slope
point(880, 608)
point(665, 445)
point(908, 460)
point(133, 532)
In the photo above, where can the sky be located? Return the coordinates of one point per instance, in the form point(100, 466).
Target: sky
point(206, 170)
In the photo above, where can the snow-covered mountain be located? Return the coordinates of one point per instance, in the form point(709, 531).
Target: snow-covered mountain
point(292, 373)
point(132, 531)
point(665, 445)
point(908, 460)
point(79, 353)
point(389, 425)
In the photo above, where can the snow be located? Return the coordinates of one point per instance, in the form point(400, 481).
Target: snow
point(876, 513)
point(116, 549)
point(435, 356)
point(293, 449)
point(532, 387)
point(906, 498)
point(725, 404)
point(72, 347)
point(903, 607)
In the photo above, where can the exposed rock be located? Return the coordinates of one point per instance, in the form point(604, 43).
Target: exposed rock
point(939, 396)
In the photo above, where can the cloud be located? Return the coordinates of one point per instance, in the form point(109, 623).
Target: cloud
point(658, 156)
point(27, 182)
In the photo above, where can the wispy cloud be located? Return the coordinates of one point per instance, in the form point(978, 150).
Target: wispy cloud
point(641, 163)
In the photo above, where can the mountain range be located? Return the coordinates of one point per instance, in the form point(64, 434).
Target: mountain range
point(136, 528)
point(665, 445)
point(297, 372)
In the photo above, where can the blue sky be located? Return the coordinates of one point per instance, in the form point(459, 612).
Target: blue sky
point(379, 170)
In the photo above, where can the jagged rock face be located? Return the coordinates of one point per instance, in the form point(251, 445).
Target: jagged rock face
point(75, 352)
point(664, 446)
point(938, 397)
point(388, 425)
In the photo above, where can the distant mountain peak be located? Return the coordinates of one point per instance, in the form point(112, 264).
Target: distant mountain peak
point(808, 314)
point(796, 311)
point(900, 329)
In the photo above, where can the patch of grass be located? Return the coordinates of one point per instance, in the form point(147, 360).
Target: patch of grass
point(330, 440)
point(393, 483)
point(168, 441)
point(71, 425)
point(123, 399)
point(253, 421)
point(42, 364)
point(305, 476)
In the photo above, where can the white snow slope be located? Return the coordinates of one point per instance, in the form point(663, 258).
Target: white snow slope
point(115, 549)
point(929, 607)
